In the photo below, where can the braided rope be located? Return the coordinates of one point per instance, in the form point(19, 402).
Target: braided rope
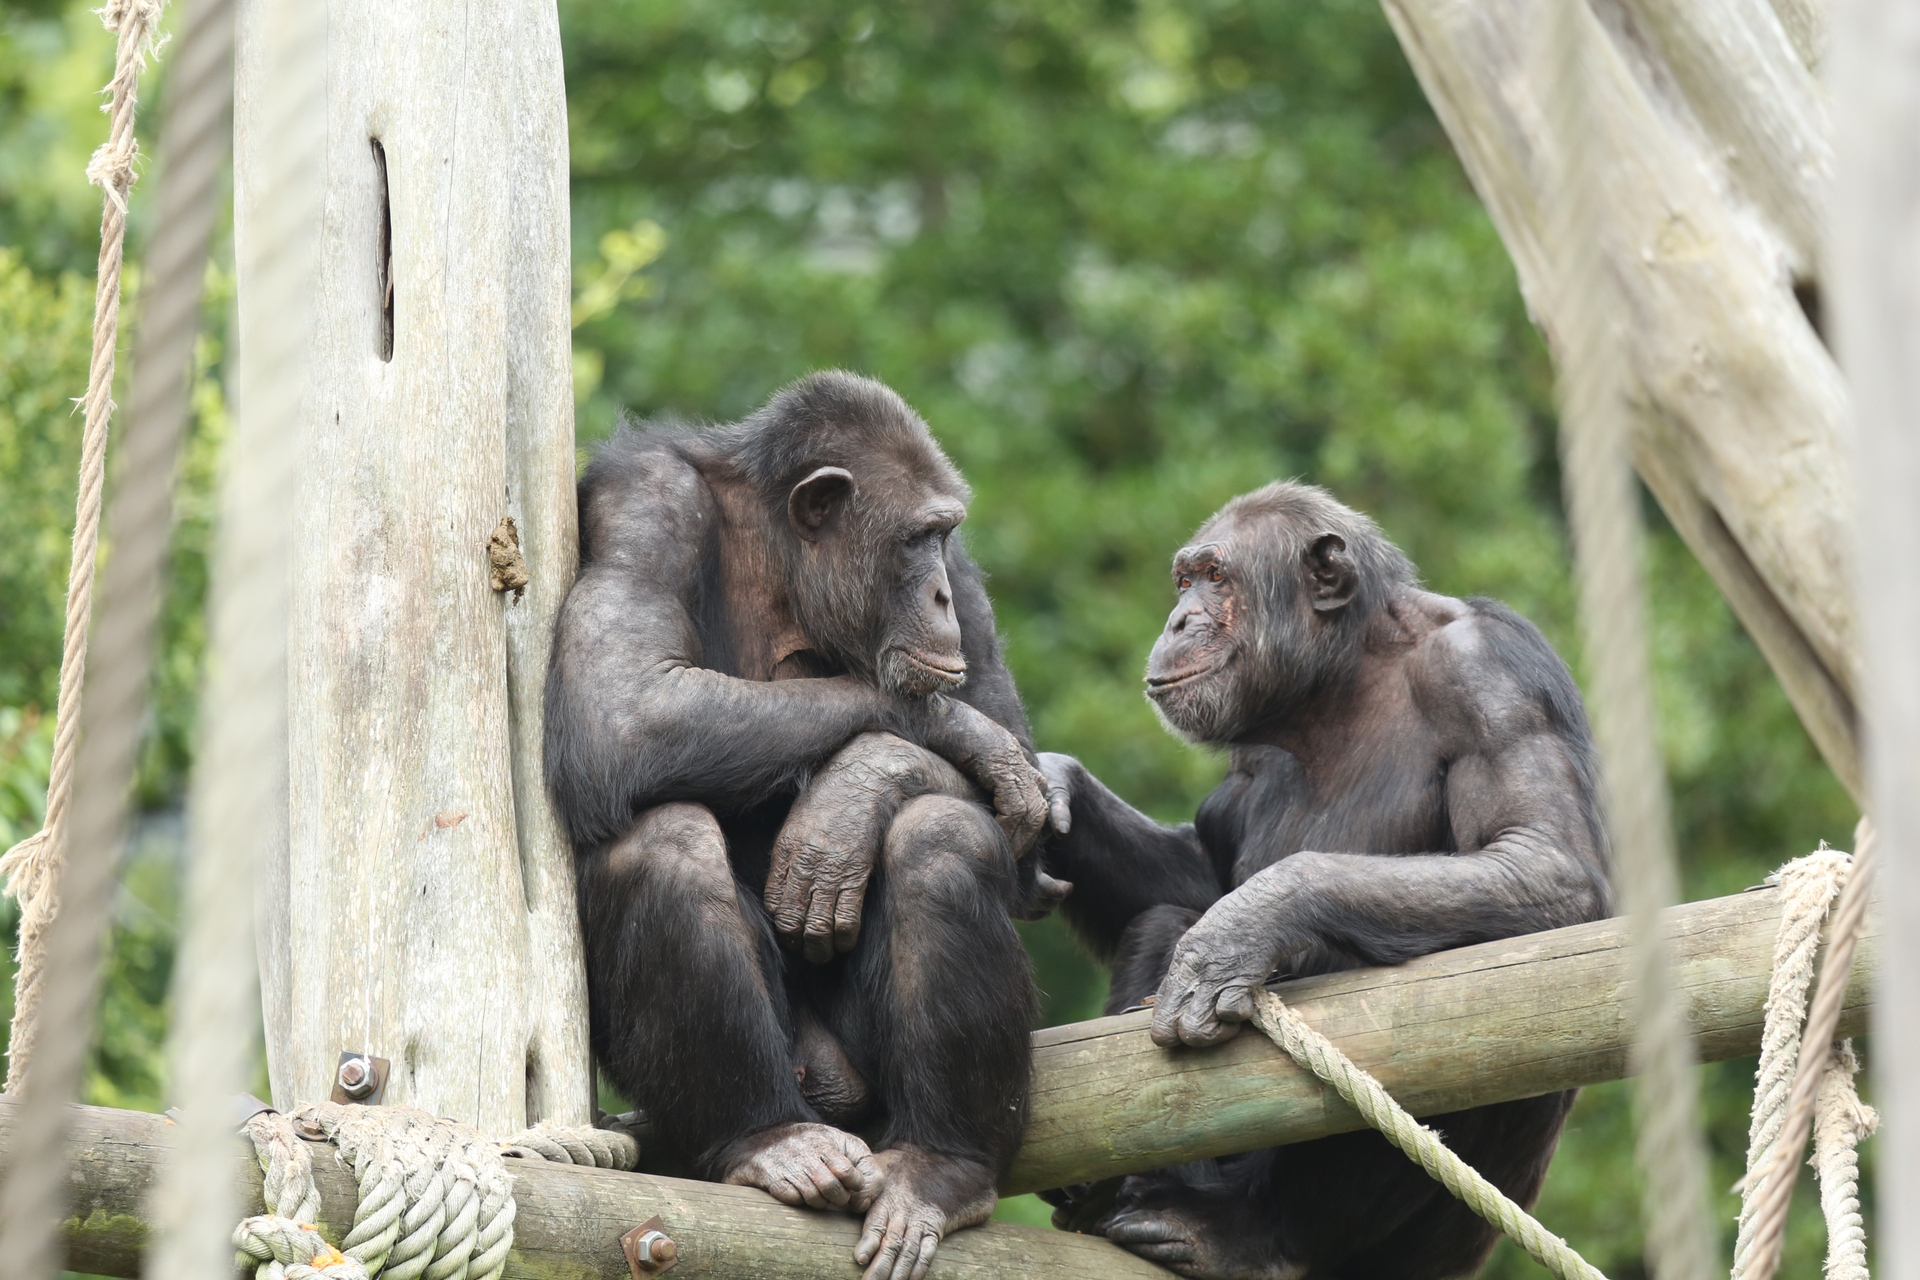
point(282, 1249)
point(1376, 1106)
point(32, 866)
point(592, 1147)
point(1796, 1090)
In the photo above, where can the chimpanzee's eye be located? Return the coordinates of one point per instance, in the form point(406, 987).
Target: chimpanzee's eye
point(1183, 581)
point(1213, 574)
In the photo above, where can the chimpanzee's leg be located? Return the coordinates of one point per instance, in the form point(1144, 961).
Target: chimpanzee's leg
point(1144, 953)
point(689, 1016)
point(934, 1007)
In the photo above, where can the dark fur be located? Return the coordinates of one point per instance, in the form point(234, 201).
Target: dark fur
point(1408, 774)
point(664, 688)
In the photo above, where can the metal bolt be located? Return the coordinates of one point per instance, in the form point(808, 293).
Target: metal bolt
point(655, 1250)
point(357, 1077)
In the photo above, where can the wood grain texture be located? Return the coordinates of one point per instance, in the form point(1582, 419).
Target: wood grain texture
point(420, 907)
point(1716, 149)
point(569, 1220)
point(1482, 1024)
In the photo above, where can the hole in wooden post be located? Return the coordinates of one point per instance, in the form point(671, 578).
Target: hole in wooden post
point(1807, 294)
point(385, 254)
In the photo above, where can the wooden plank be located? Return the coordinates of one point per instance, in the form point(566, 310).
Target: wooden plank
point(569, 1220)
point(1482, 1024)
point(419, 906)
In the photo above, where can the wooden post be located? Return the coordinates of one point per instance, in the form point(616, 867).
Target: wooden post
point(1874, 254)
point(1720, 161)
point(419, 907)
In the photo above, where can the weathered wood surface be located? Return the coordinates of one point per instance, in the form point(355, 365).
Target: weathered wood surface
point(421, 907)
point(570, 1220)
point(1482, 1024)
point(1711, 129)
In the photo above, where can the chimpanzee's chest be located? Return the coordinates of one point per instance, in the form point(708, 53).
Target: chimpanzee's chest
point(1387, 796)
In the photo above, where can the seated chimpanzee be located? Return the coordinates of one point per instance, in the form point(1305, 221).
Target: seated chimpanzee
point(1407, 773)
point(775, 688)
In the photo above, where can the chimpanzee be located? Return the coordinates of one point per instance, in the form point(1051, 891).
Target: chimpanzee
point(775, 687)
point(1407, 773)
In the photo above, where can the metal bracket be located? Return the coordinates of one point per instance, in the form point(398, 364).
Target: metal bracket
point(649, 1249)
point(360, 1078)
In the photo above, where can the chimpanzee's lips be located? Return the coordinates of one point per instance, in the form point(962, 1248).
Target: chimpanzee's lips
point(1173, 679)
point(949, 670)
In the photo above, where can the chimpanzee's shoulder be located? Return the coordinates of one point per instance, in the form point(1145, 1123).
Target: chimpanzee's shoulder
point(642, 485)
point(1495, 665)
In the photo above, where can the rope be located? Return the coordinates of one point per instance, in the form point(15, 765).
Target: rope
point(282, 1249)
point(595, 1148)
point(240, 757)
point(1608, 542)
point(1376, 1106)
point(435, 1199)
point(1821, 1095)
point(32, 866)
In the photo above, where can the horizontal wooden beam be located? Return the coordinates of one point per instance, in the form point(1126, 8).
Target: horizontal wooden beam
point(569, 1220)
point(1482, 1024)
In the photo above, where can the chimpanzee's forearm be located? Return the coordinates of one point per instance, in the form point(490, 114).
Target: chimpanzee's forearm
point(1122, 862)
point(1387, 909)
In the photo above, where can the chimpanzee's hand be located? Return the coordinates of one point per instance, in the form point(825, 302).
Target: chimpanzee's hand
point(1060, 772)
point(1227, 955)
point(995, 760)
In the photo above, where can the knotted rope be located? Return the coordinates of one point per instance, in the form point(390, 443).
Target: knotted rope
point(31, 867)
point(1778, 1133)
point(1376, 1106)
point(282, 1249)
point(435, 1198)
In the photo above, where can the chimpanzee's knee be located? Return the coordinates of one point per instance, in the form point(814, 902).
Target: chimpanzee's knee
point(945, 854)
point(1144, 952)
point(675, 849)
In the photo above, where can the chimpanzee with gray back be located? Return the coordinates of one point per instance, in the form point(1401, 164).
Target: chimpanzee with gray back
point(795, 904)
point(1408, 773)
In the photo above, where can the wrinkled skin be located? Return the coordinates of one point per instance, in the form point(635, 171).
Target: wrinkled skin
point(1407, 773)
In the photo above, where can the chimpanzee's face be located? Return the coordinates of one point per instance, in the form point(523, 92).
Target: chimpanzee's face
point(871, 587)
point(919, 643)
point(1192, 679)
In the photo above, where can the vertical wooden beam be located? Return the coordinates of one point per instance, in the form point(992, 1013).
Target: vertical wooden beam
point(1874, 258)
point(420, 907)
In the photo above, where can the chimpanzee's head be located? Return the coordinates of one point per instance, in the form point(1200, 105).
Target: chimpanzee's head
point(1275, 595)
point(869, 504)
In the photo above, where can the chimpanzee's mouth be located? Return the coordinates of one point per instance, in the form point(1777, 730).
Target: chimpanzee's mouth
point(1174, 679)
point(943, 670)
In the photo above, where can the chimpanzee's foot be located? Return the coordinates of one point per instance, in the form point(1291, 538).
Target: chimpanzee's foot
point(807, 1164)
point(925, 1197)
point(1084, 1206)
point(1184, 1229)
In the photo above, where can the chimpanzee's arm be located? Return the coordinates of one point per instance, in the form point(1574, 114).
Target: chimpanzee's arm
point(634, 718)
point(1119, 861)
point(1520, 797)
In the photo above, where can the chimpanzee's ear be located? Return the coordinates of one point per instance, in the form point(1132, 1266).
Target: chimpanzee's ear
point(1332, 578)
point(816, 501)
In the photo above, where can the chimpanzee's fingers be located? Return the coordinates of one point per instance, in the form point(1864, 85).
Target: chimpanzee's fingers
point(1059, 805)
point(846, 917)
point(791, 914)
point(929, 1245)
point(828, 1190)
point(1235, 1005)
point(1198, 1025)
point(1167, 1008)
point(816, 939)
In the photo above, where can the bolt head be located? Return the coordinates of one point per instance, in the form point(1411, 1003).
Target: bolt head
point(357, 1077)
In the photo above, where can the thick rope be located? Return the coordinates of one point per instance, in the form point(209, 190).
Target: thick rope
point(593, 1147)
point(239, 773)
point(1376, 1106)
point(435, 1199)
point(1608, 543)
point(32, 866)
point(1769, 1184)
point(282, 1249)
point(1841, 1122)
